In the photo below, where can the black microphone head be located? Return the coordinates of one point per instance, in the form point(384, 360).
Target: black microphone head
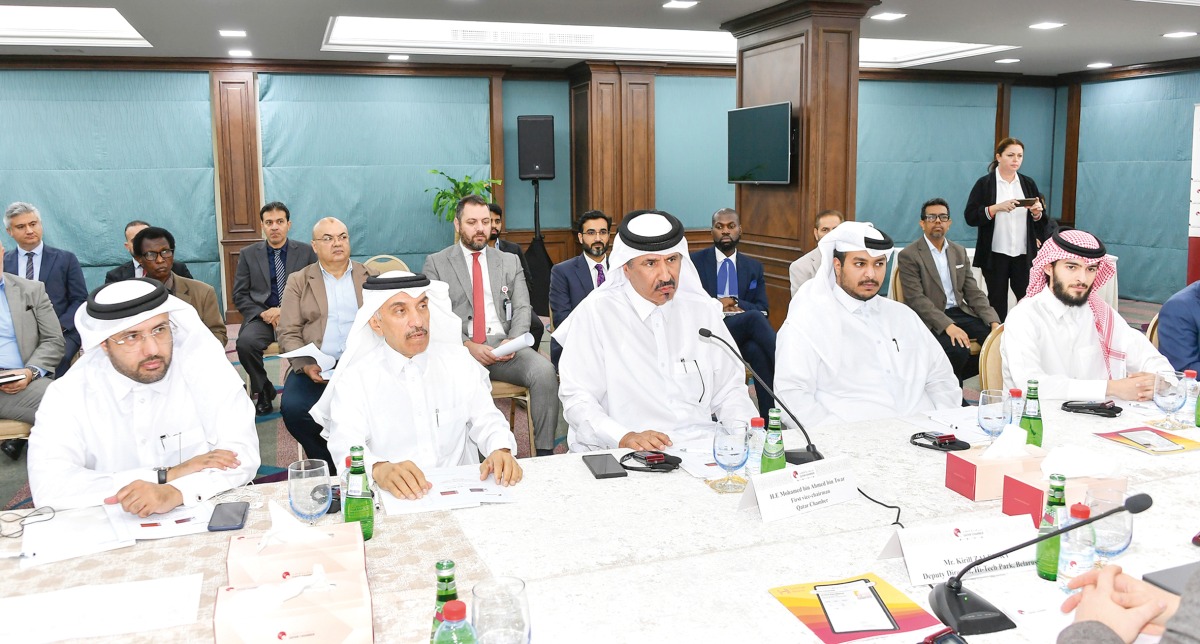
point(705, 333)
point(1138, 503)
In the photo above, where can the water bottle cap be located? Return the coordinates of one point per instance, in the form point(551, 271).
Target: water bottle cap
point(347, 462)
point(758, 422)
point(1014, 393)
point(1188, 373)
point(1080, 511)
point(454, 611)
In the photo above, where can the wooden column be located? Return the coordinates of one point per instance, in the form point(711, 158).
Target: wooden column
point(805, 52)
point(235, 122)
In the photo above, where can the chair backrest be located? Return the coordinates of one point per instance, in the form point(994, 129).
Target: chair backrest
point(1152, 331)
point(385, 263)
point(895, 291)
point(991, 369)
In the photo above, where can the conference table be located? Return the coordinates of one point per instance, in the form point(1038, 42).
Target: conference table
point(661, 557)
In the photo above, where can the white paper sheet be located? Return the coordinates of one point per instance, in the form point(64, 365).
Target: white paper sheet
point(453, 488)
point(310, 350)
point(70, 534)
point(98, 610)
point(177, 522)
point(963, 422)
point(514, 345)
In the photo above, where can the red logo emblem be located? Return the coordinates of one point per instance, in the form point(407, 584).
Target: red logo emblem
point(281, 635)
point(286, 574)
point(957, 532)
point(795, 474)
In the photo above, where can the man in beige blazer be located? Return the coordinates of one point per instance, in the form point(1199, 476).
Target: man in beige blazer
point(935, 276)
point(154, 250)
point(31, 347)
point(319, 305)
point(805, 268)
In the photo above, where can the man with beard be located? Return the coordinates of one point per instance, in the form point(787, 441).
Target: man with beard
point(154, 249)
point(573, 279)
point(152, 417)
point(847, 355)
point(737, 282)
point(488, 291)
point(635, 371)
point(1067, 337)
point(939, 286)
point(536, 328)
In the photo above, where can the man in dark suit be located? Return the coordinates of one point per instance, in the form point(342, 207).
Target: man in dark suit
point(489, 294)
point(262, 272)
point(536, 327)
point(58, 269)
point(134, 269)
point(571, 280)
point(936, 279)
point(737, 281)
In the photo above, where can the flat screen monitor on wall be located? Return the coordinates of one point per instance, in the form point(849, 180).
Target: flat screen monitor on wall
point(760, 144)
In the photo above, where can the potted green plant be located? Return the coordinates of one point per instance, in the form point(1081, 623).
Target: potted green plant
point(446, 199)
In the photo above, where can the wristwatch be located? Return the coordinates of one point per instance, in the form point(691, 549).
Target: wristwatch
point(37, 373)
point(162, 474)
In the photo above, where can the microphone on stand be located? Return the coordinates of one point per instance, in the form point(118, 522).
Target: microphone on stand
point(970, 614)
point(793, 456)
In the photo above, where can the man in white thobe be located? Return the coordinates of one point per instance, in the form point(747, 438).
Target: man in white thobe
point(845, 354)
point(1075, 352)
point(410, 394)
point(152, 417)
point(635, 372)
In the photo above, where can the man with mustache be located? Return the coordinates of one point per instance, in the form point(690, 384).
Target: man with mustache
point(152, 416)
point(488, 292)
point(635, 371)
point(409, 392)
point(936, 278)
point(536, 327)
point(1067, 337)
point(845, 354)
point(573, 279)
point(737, 282)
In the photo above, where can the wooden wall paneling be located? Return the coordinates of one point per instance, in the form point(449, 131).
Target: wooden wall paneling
point(235, 133)
point(1071, 154)
point(1003, 108)
point(581, 167)
point(560, 243)
point(604, 142)
point(637, 138)
point(496, 138)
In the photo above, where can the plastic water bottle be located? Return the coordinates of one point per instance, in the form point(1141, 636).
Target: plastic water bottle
point(758, 436)
point(1076, 549)
point(454, 628)
point(1193, 390)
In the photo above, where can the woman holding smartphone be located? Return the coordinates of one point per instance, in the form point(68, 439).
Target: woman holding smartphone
point(1008, 210)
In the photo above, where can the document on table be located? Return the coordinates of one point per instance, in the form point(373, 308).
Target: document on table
point(453, 488)
point(963, 422)
point(70, 534)
point(177, 522)
point(694, 446)
point(98, 610)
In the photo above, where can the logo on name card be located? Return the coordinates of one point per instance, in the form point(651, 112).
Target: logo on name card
point(957, 532)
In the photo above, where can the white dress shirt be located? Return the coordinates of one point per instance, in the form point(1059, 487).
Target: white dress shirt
point(435, 410)
point(1009, 234)
point(942, 262)
point(655, 373)
point(492, 319)
point(99, 431)
point(1057, 345)
point(37, 260)
point(138, 271)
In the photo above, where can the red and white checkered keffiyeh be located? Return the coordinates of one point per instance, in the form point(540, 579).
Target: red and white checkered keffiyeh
point(1103, 314)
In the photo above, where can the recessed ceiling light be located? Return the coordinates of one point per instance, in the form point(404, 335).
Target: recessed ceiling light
point(1180, 34)
point(1008, 61)
point(67, 26)
point(681, 4)
point(1099, 65)
point(232, 33)
point(398, 57)
point(1193, 3)
point(888, 15)
point(240, 53)
point(1047, 25)
point(887, 53)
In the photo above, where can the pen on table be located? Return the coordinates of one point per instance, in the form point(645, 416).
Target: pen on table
point(437, 418)
point(897, 345)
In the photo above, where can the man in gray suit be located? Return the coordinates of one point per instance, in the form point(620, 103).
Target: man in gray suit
point(31, 347)
point(935, 276)
point(805, 268)
point(262, 273)
point(488, 292)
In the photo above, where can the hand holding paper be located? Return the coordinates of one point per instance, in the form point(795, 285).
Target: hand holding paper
point(514, 345)
point(310, 350)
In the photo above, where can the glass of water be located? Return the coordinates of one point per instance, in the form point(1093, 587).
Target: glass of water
point(731, 448)
point(308, 489)
point(994, 412)
point(1170, 394)
point(500, 611)
point(1115, 533)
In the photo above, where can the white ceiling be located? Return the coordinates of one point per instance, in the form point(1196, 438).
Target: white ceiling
point(1122, 32)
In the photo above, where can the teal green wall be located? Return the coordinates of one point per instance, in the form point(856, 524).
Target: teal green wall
point(691, 146)
point(532, 98)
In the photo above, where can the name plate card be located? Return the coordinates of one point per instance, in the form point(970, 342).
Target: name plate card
point(797, 489)
point(936, 553)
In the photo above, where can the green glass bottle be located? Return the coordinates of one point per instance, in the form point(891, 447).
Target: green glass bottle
point(1031, 416)
point(772, 454)
point(447, 590)
point(359, 505)
point(1052, 519)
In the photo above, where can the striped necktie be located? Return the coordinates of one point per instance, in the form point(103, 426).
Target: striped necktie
point(29, 265)
point(280, 277)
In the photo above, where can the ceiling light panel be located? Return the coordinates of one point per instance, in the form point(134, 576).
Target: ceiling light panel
point(1180, 34)
point(888, 16)
point(67, 26)
point(875, 52)
point(232, 33)
point(681, 4)
point(1047, 25)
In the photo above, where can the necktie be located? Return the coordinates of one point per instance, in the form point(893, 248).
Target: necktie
point(29, 265)
point(479, 317)
point(599, 275)
point(726, 279)
point(279, 275)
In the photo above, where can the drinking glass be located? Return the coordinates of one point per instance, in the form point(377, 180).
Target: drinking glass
point(500, 611)
point(1115, 533)
point(1170, 393)
point(995, 411)
point(731, 448)
point(308, 489)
